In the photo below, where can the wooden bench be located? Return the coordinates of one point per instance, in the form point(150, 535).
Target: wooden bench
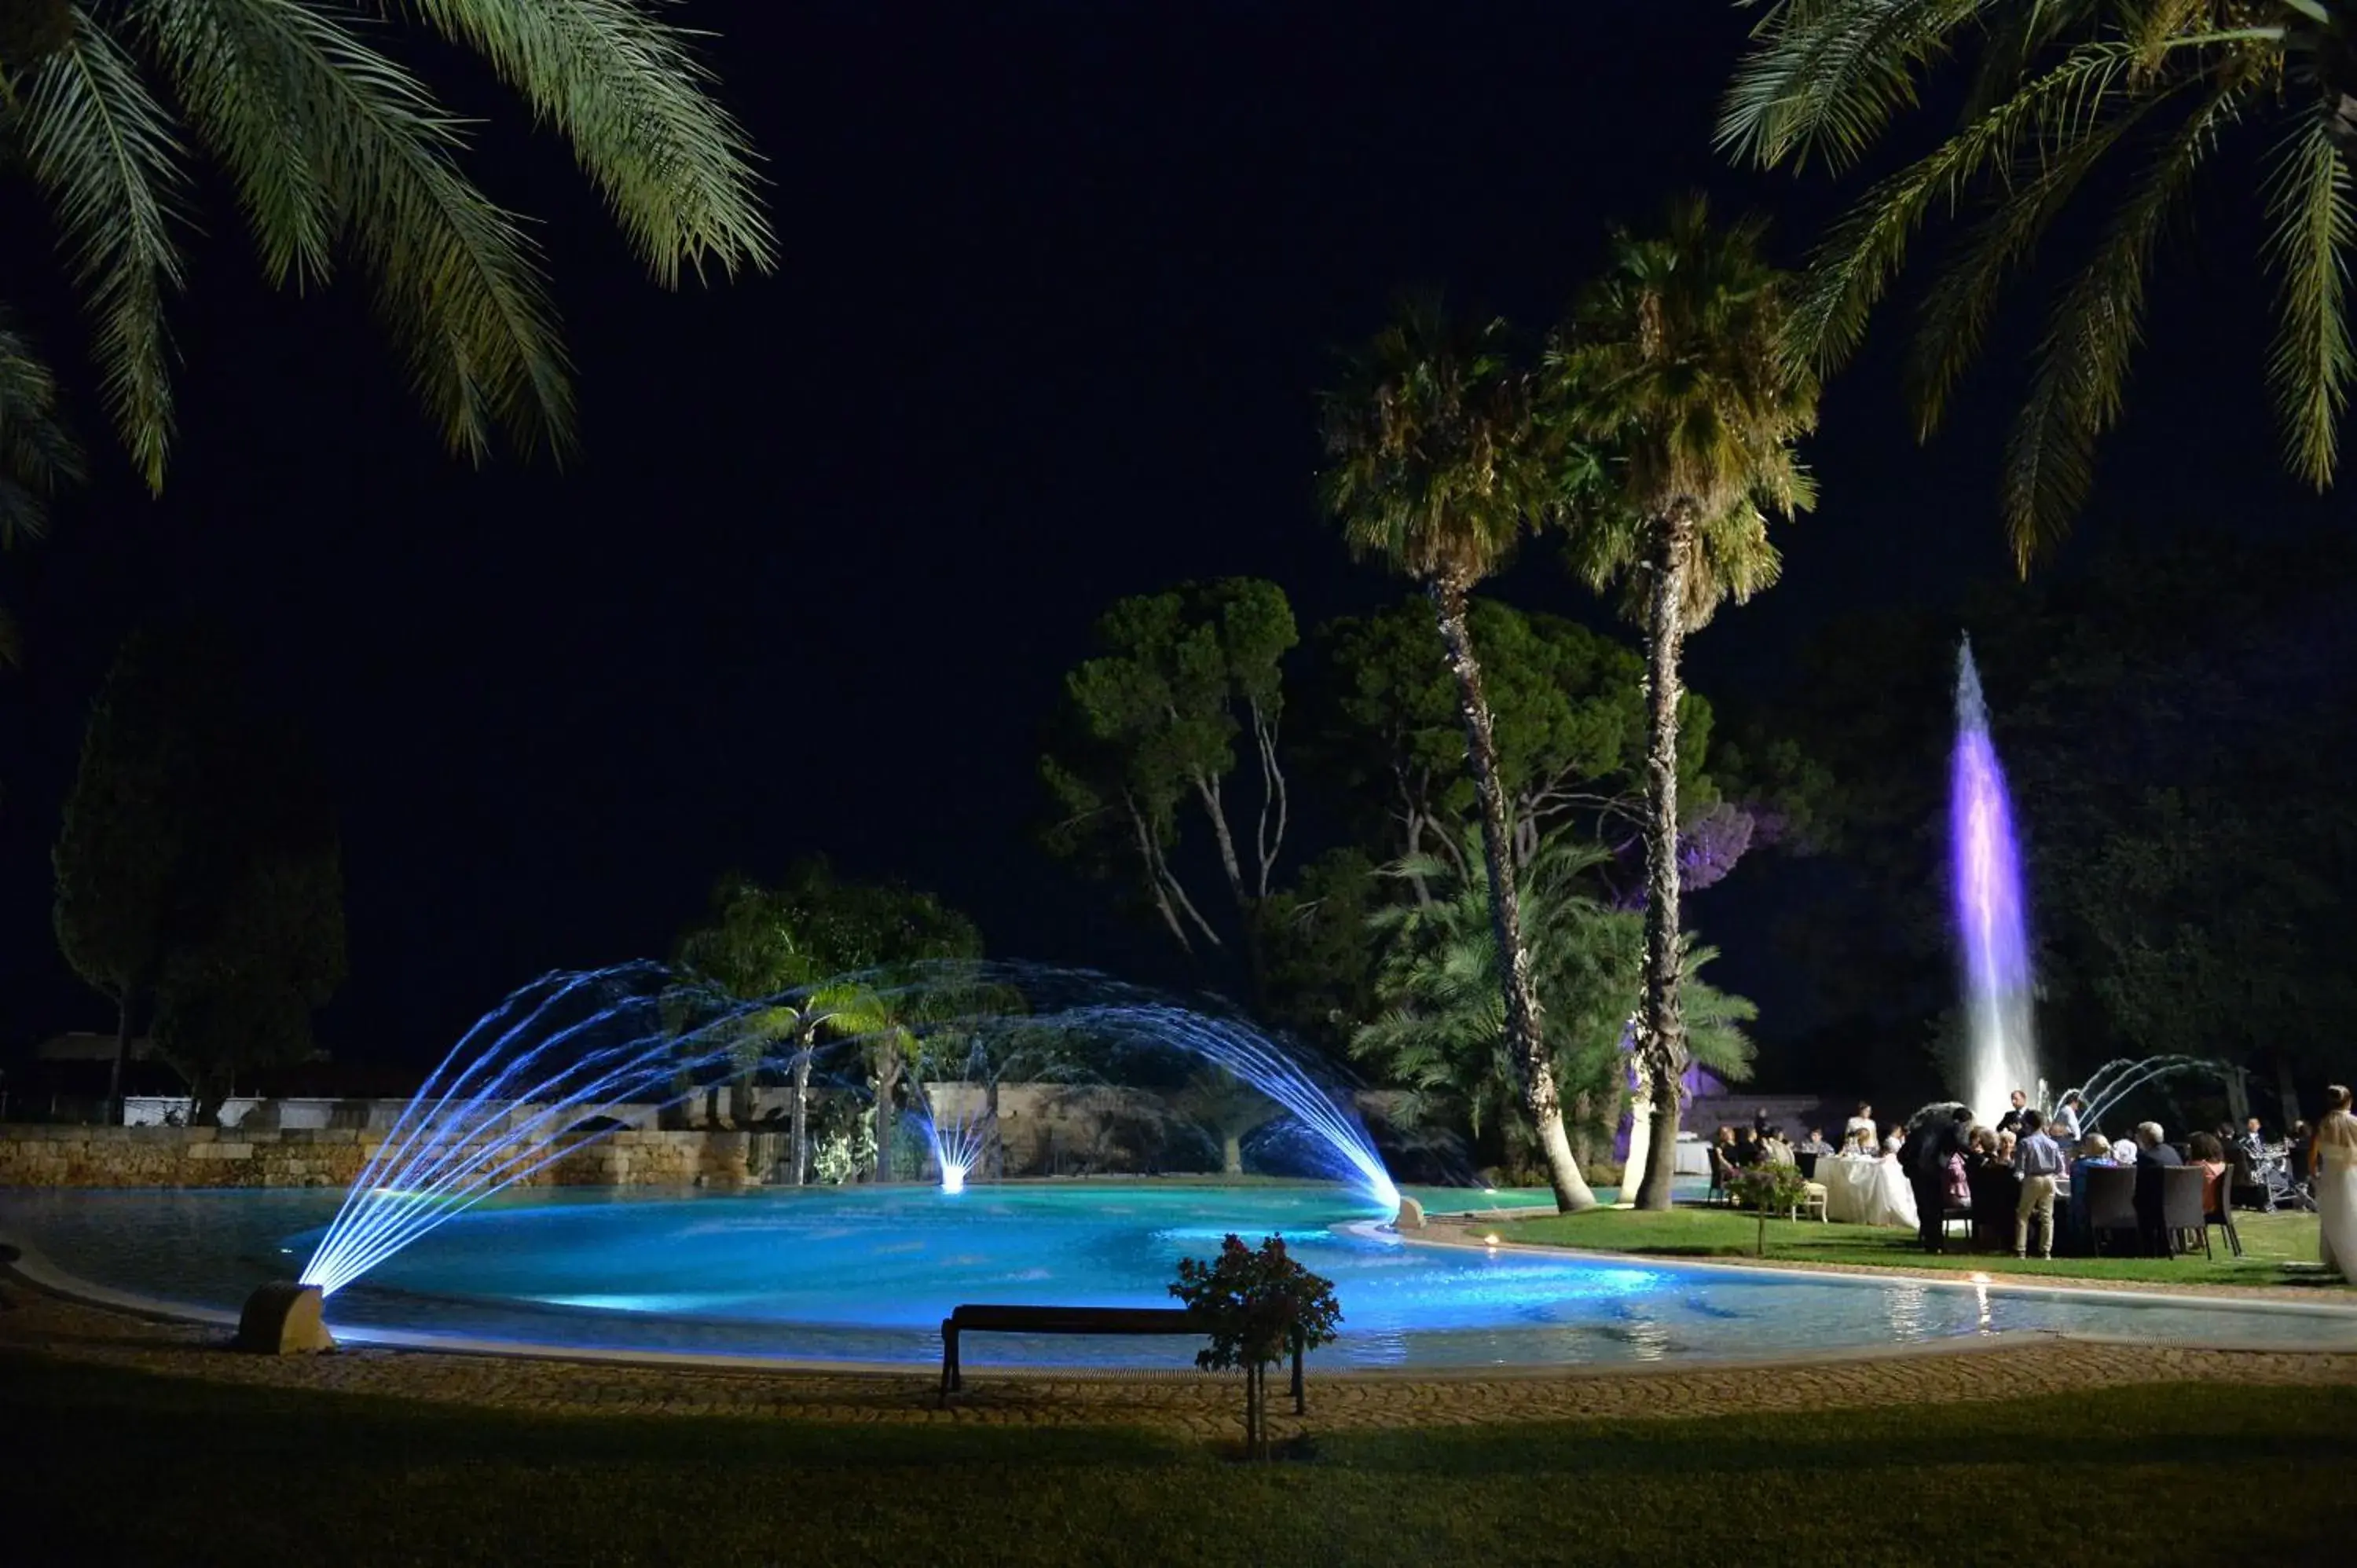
point(989, 1320)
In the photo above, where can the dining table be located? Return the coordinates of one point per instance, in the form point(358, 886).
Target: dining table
point(1863, 1189)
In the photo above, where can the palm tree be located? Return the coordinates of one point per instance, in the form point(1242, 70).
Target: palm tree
point(339, 154)
point(1668, 376)
point(1442, 1033)
point(1436, 470)
point(2148, 95)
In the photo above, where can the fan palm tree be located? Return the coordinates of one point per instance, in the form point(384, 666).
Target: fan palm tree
point(1443, 1030)
point(339, 154)
point(1668, 380)
point(2064, 89)
point(1436, 470)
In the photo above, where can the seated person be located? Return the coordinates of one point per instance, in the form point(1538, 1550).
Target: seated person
point(1814, 1143)
point(2209, 1155)
point(1980, 1148)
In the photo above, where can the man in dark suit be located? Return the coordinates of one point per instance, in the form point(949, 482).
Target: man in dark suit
point(2011, 1121)
point(2153, 1157)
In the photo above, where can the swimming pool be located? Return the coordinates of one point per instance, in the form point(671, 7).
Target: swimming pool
point(864, 1275)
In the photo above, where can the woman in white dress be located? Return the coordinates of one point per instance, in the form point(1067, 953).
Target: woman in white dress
point(2332, 1176)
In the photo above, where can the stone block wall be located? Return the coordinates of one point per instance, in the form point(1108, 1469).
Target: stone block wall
point(207, 1157)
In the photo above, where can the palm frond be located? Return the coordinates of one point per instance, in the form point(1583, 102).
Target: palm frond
point(634, 99)
point(228, 65)
point(105, 152)
point(2309, 198)
point(1853, 268)
point(2080, 378)
point(457, 279)
point(1953, 320)
point(1828, 75)
point(37, 458)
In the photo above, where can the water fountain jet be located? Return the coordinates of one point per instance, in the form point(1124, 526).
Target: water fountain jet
point(1990, 913)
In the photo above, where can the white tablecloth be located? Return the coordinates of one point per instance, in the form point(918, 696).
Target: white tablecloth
point(1867, 1192)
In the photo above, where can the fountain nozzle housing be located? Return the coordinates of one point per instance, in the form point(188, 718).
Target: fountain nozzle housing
point(285, 1318)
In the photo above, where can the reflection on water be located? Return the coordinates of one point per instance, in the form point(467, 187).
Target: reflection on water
point(867, 1274)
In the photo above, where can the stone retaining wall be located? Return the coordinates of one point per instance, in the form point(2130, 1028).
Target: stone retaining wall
point(209, 1156)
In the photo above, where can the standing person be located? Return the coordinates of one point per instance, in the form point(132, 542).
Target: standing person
point(2040, 1162)
point(2153, 1157)
point(2011, 1121)
point(1861, 1122)
point(2064, 1129)
point(2253, 1138)
point(2333, 1178)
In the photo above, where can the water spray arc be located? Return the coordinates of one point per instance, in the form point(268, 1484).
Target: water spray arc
point(1991, 917)
point(510, 1097)
point(544, 1075)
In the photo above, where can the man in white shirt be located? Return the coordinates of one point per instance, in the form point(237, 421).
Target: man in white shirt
point(2040, 1162)
point(2064, 1129)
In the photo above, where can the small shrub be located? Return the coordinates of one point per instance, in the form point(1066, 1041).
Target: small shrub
point(1771, 1188)
point(1257, 1306)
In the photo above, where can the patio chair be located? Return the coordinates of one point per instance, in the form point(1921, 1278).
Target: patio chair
point(2111, 1203)
point(2182, 1209)
point(1813, 1202)
point(2218, 1208)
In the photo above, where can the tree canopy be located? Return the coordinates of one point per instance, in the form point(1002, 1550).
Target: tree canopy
point(197, 870)
point(1149, 736)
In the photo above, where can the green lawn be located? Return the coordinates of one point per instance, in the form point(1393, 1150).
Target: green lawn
point(113, 1467)
point(2269, 1241)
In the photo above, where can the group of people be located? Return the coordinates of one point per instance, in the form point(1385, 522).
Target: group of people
point(2040, 1160)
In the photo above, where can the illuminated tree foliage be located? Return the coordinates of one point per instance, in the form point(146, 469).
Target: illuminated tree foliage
point(1149, 738)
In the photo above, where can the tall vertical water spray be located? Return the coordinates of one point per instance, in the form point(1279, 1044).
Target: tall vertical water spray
point(1986, 874)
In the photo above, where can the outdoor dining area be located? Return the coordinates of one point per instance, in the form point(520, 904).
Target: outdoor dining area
point(1961, 1185)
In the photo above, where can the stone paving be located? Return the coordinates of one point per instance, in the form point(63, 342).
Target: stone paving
point(1200, 1406)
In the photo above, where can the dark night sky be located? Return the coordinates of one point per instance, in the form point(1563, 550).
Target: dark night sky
point(1060, 279)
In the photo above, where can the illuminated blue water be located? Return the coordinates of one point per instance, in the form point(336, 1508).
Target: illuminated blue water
point(864, 1274)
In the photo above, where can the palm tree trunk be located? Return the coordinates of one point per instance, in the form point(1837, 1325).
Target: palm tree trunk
point(883, 1129)
point(1525, 1045)
point(801, 1115)
point(1660, 1029)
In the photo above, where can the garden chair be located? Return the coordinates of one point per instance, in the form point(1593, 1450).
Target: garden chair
point(2110, 1203)
point(2182, 1210)
point(2218, 1208)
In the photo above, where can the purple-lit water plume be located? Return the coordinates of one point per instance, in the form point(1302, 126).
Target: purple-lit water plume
point(1985, 872)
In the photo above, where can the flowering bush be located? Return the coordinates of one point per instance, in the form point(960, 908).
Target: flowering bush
point(1257, 1306)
